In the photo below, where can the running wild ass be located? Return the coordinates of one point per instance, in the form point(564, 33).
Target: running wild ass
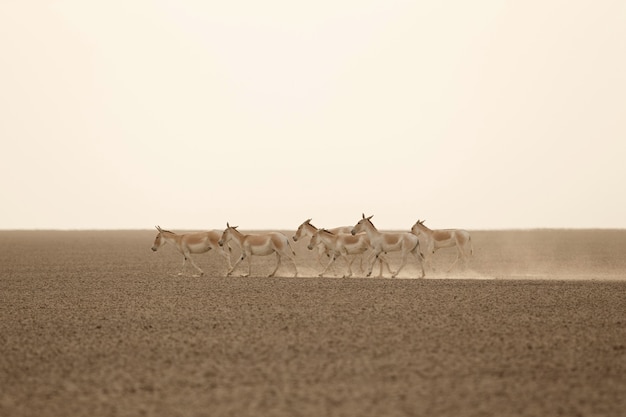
point(343, 244)
point(383, 242)
point(260, 245)
point(189, 243)
point(307, 229)
point(431, 240)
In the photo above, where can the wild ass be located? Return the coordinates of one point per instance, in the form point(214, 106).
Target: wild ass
point(307, 229)
point(431, 240)
point(380, 242)
point(260, 245)
point(189, 243)
point(343, 244)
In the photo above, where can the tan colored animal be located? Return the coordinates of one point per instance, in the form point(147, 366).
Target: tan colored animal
point(343, 244)
point(384, 242)
point(192, 243)
point(432, 240)
point(307, 229)
point(259, 245)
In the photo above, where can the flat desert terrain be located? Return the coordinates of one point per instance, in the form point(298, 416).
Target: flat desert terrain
point(96, 324)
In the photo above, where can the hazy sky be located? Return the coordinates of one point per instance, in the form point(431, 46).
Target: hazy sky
point(187, 114)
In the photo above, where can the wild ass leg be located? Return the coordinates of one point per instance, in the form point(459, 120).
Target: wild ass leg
point(187, 256)
point(226, 255)
point(462, 246)
point(420, 260)
point(402, 264)
point(278, 259)
point(405, 254)
point(380, 264)
point(249, 265)
point(182, 269)
point(196, 266)
point(290, 254)
point(383, 260)
point(241, 258)
point(428, 260)
point(361, 263)
point(459, 255)
point(464, 254)
point(295, 267)
point(321, 251)
point(291, 257)
point(453, 263)
point(332, 259)
point(349, 262)
point(374, 256)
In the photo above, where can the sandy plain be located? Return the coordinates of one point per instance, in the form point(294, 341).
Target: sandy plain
point(94, 323)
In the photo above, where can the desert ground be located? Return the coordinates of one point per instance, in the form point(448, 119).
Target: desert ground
point(95, 323)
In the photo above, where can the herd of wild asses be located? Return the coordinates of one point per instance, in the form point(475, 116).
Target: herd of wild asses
point(421, 242)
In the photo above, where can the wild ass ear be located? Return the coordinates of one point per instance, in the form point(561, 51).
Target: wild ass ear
point(363, 214)
point(308, 220)
point(158, 228)
point(370, 217)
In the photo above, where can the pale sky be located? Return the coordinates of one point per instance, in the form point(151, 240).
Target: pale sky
point(188, 114)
